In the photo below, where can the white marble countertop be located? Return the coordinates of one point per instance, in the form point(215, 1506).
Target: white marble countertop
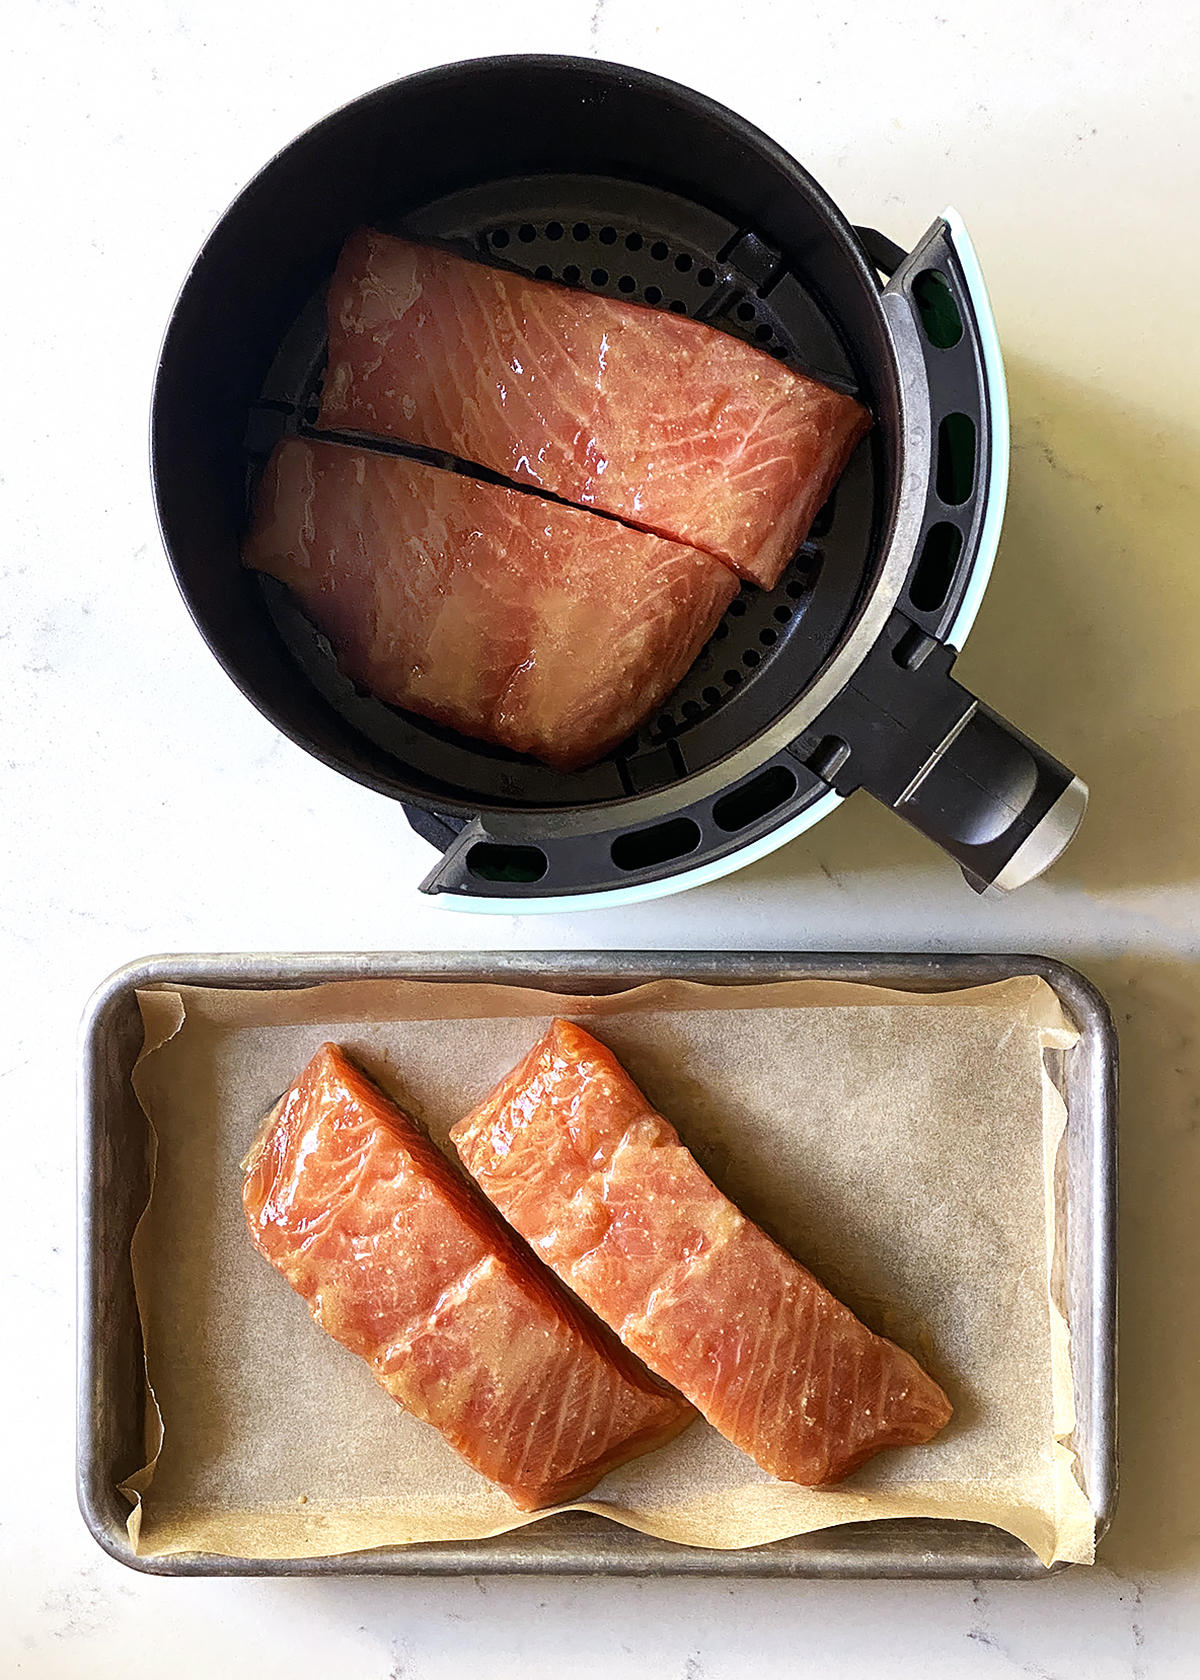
point(144, 806)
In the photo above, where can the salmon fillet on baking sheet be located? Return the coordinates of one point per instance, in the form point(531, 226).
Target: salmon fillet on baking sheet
point(665, 422)
point(402, 1260)
point(507, 617)
point(571, 1152)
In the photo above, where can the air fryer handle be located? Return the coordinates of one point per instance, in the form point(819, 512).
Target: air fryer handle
point(996, 801)
point(904, 730)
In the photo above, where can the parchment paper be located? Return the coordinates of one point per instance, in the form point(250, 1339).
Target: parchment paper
point(902, 1145)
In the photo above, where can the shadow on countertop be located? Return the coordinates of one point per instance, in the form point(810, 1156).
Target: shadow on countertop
point(1156, 1005)
point(1088, 640)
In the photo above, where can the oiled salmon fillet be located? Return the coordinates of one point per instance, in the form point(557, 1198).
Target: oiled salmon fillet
point(403, 1261)
point(490, 610)
point(573, 1155)
point(668, 423)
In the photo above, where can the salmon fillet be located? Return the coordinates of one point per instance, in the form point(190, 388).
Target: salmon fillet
point(573, 1155)
point(666, 422)
point(403, 1261)
point(499, 614)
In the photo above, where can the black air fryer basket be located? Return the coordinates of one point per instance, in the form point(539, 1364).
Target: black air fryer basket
point(621, 183)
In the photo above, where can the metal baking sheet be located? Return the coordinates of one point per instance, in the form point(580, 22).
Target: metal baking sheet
point(114, 1185)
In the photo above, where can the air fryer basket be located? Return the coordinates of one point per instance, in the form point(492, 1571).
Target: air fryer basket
point(615, 181)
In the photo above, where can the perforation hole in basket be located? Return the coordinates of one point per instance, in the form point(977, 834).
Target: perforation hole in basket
point(648, 264)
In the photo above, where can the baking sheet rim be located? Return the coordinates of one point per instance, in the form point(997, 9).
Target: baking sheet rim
point(616, 971)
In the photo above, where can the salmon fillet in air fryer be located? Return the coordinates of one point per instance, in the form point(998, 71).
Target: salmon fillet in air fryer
point(573, 1155)
point(403, 1261)
point(507, 617)
point(668, 423)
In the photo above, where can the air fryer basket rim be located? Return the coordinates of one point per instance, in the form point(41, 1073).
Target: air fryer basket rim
point(632, 808)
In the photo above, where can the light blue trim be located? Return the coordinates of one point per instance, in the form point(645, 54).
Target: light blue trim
point(618, 896)
point(997, 393)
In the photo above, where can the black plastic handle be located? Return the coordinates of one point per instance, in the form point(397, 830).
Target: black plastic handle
point(904, 730)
